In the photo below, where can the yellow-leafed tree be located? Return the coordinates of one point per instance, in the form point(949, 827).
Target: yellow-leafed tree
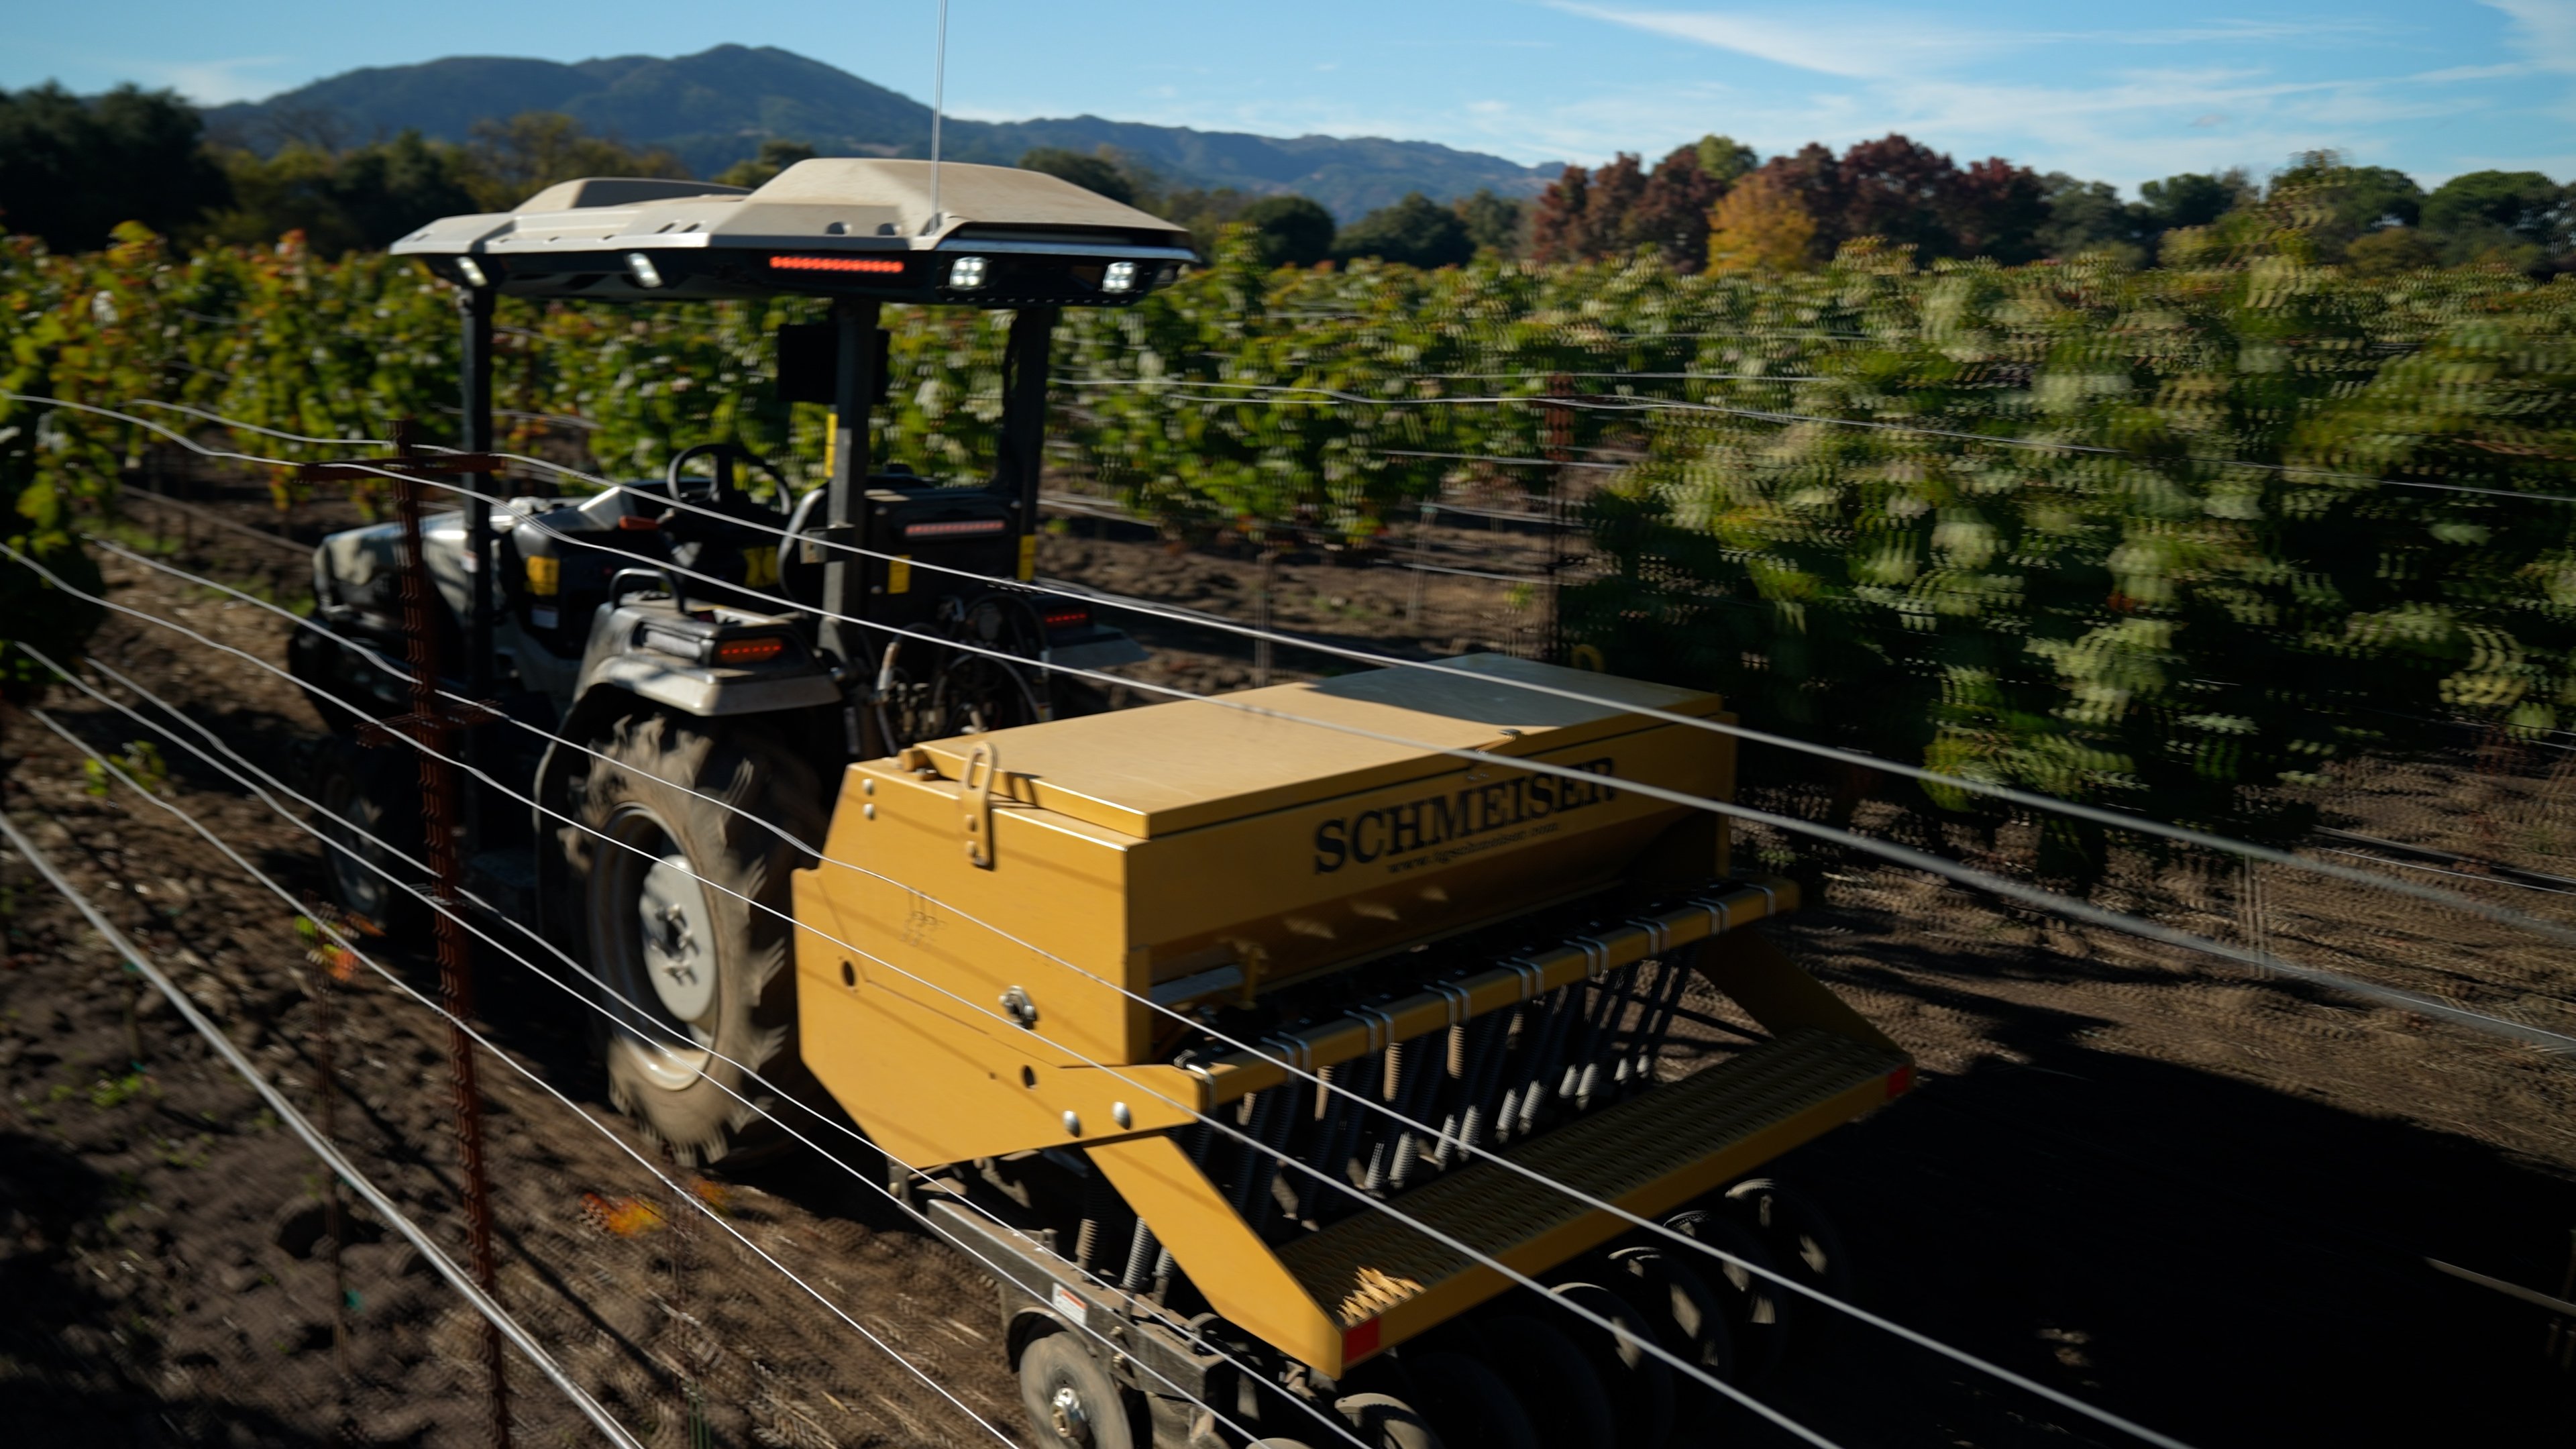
point(1759, 224)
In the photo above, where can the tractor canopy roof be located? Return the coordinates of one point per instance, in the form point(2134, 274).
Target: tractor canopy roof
point(836, 226)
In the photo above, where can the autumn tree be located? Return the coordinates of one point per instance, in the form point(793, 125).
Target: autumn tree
point(1671, 214)
point(1994, 209)
point(1588, 215)
point(1557, 228)
point(1761, 223)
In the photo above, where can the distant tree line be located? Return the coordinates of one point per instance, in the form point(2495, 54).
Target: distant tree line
point(1711, 205)
point(72, 168)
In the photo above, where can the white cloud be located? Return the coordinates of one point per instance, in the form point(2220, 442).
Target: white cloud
point(214, 82)
point(2545, 30)
point(1872, 46)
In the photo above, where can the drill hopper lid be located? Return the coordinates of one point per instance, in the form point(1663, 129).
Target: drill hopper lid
point(1170, 768)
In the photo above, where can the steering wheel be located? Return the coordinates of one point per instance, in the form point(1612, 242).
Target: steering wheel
point(722, 487)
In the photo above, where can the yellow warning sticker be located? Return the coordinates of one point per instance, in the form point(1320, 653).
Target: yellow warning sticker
point(545, 576)
point(1028, 557)
point(899, 575)
point(759, 567)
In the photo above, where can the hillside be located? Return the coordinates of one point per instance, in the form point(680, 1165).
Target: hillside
point(716, 107)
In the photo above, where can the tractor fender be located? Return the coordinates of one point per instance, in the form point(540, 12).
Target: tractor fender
point(614, 660)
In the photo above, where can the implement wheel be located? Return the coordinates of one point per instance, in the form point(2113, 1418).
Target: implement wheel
point(683, 907)
point(1553, 1379)
point(1470, 1404)
point(1071, 1401)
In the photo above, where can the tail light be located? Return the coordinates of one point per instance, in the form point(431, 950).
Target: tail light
point(1068, 616)
point(759, 649)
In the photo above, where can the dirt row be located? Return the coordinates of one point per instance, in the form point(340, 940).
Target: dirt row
point(2194, 1197)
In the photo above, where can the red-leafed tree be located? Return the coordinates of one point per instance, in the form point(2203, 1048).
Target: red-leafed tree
point(1899, 190)
point(1996, 210)
point(1914, 197)
point(1557, 230)
point(1671, 213)
point(1611, 211)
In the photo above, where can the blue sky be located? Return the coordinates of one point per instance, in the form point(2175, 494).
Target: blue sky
point(2429, 87)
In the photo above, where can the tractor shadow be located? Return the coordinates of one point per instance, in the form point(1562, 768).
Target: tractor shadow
point(2219, 1260)
point(74, 1365)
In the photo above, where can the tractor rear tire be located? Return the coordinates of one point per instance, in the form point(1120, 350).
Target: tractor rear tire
point(371, 792)
point(680, 874)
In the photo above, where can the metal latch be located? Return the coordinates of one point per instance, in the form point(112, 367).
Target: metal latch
point(978, 802)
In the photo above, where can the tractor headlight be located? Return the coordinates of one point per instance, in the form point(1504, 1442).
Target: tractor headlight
point(1121, 277)
point(472, 271)
point(966, 273)
point(641, 268)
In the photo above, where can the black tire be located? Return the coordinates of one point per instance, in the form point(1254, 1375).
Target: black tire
point(1071, 1401)
point(706, 995)
point(1756, 1308)
point(1683, 1309)
point(1386, 1422)
point(1639, 1385)
point(366, 792)
point(1553, 1379)
point(1798, 1232)
point(1470, 1405)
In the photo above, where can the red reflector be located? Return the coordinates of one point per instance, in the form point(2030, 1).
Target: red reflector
point(877, 265)
point(750, 651)
point(1900, 1082)
point(1358, 1342)
point(630, 521)
point(1067, 618)
point(958, 528)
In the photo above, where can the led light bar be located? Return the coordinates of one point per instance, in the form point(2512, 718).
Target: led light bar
point(956, 528)
point(759, 649)
point(877, 266)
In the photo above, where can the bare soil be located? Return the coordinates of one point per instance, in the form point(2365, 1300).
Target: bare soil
point(2190, 1196)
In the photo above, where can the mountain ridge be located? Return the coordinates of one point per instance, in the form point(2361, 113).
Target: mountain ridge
point(716, 107)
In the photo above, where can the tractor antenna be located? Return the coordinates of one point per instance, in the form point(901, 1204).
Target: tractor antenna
point(938, 105)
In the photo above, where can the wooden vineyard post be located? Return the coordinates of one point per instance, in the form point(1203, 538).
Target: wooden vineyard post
point(1560, 443)
point(1421, 556)
point(433, 724)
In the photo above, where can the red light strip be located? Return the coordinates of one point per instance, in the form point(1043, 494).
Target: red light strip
point(835, 264)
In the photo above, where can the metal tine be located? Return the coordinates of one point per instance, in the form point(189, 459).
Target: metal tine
point(1621, 993)
point(1480, 1095)
point(1648, 995)
point(1676, 984)
point(1583, 1069)
point(1327, 1132)
point(1264, 1106)
point(1484, 1044)
point(1355, 1125)
point(1551, 1044)
point(1404, 1066)
point(1416, 1106)
point(1264, 1201)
